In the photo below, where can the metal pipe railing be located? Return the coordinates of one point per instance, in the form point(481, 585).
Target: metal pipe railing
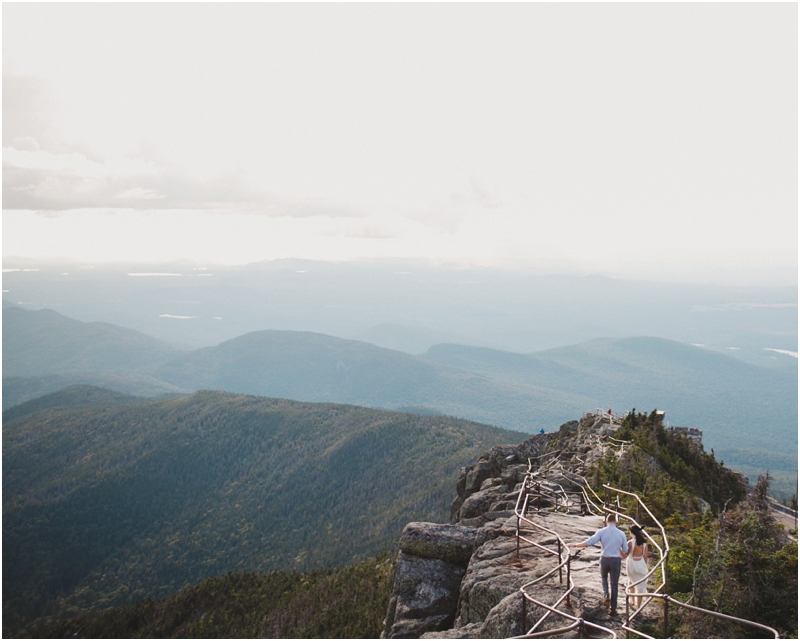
point(668, 599)
point(661, 564)
point(580, 624)
point(560, 498)
point(562, 554)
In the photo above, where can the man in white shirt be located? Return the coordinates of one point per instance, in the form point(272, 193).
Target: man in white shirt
point(614, 548)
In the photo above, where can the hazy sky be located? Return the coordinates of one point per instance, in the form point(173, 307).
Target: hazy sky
point(642, 140)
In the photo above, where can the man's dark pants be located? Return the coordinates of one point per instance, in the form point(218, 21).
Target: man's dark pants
point(612, 566)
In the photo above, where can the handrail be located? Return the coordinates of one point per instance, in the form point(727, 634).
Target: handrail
point(662, 595)
point(662, 561)
point(564, 557)
point(577, 624)
point(533, 484)
point(598, 411)
point(668, 599)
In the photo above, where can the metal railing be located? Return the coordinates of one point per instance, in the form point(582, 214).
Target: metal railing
point(668, 599)
point(535, 491)
point(563, 556)
point(613, 416)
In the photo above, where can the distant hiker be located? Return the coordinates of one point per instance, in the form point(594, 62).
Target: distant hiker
point(541, 431)
point(637, 563)
point(614, 549)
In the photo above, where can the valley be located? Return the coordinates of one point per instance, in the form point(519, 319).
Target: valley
point(106, 501)
point(136, 467)
point(748, 412)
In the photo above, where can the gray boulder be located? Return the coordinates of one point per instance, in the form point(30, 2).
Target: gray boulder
point(494, 573)
point(478, 503)
point(471, 631)
point(425, 596)
point(453, 543)
point(475, 476)
point(495, 482)
point(505, 619)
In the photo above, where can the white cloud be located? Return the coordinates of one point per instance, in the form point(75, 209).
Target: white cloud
point(142, 194)
point(43, 173)
point(636, 139)
point(49, 182)
point(376, 232)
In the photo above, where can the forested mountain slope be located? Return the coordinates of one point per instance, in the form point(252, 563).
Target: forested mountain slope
point(106, 504)
point(316, 367)
point(748, 413)
point(331, 603)
point(45, 342)
point(17, 389)
point(72, 396)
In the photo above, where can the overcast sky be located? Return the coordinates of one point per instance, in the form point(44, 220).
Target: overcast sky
point(639, 140)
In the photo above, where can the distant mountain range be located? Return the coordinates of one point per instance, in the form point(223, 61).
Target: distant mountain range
point(748, 413)
point(45, 342)
point(108, 499)
point(408, 305)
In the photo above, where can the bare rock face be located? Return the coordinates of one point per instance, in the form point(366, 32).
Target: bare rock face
point(462, 580)
point(505, 619)
point(453, 543)
point(476, 475)
point(478, 503)
point(424, 596)
point(471, 631)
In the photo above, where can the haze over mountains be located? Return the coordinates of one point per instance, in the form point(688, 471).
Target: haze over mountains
point(748, 412)
point(406, 305)
point(135, 482)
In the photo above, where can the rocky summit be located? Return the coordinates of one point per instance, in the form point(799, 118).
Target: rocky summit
point(463, 579)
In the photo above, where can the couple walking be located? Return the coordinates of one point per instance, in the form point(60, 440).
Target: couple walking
point(615, 548)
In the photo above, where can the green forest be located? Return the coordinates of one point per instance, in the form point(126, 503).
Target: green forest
point(106, 505)
point(333, 603)
point(747, 412)
point(727, 553)
point(215, 515)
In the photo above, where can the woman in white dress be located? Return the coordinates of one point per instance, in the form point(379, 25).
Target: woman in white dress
point(637, 563)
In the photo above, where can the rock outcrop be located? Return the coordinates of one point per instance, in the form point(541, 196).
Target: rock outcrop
point(439, 574)
point(463, 579)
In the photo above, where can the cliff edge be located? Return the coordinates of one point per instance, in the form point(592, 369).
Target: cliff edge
point(463, 579)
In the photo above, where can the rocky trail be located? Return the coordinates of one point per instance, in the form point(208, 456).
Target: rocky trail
point(503, 566)
point(463, 579)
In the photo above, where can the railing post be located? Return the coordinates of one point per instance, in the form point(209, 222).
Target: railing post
point(560, 564)
point(517, 555)
point(666, 613)
point(569, 559)
point(524, 614)
point(627, 610)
